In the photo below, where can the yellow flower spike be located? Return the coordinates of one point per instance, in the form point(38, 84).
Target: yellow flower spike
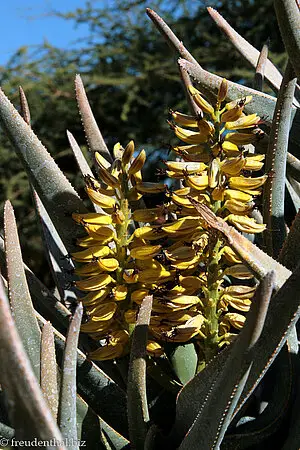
point(181, 253)
point(236, 207)
point(218, 193)
point(200, 101)
point(100, 199)
point(236, 320)
point(150, 276)
point(119, 292)
point(233, 103)
point(108, 264)
point(145, 251)
point(136, 178)
point(154, 349)
point(103, 311)
point(254, 162)
point(130, 276)
point(137, 163)
point(91, 253)
point(94, 283)
point(233, 194)
point(105, 175)
point(148, 215)
point(243, 122)
point(233, 166)
point(150, 188)
point(222, 92)
point(150, 233)
point(230, 149)
point(197, 182)
point(128, 153)
point(239, 271)
point(95, 297)
point(240, 304)
point(92, 219)
point(190, 137)
point(240, 138)
point(107, 353)
point(213, 173)
point(245, 224)
point(187, 167)
point(248, 185)
point(184, 119)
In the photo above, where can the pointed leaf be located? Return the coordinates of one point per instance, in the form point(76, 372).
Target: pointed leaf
point(138, 414)
point(67, 399)
point(49, 369)
point(19, 295)
point(274, 188)
point(293, 166)
point(95, 387)
point(25, 111)
point(290, 253)
point(267, 423)
point(30, 414)
point(57, 194)
point(93, 135)
point(247, 50)
point(61, 268)
point(293, 188)
point(215, 412)
point(288, 17)
point(173, 41)
point(261, 68)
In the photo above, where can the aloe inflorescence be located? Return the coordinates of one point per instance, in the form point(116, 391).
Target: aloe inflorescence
point(172, 256)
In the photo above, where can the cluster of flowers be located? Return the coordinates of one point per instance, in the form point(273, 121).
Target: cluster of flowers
point(190, 273)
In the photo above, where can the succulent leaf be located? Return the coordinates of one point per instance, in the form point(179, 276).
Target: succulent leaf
point(18, 291)
point(49, 369)
point(138, 414)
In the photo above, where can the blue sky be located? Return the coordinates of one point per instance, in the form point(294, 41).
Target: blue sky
point(29, 22)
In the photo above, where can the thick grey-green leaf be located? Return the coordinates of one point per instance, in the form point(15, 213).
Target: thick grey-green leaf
point(58, 196)
point(43, 300)
point(282, 315)
point(93, 135)
point(67, 398)
point(293, 188)
point(274, 188)
point(49, 369)
point(61, 267)
point(268, 422)
point(137, 406)
point(261, 68)
point(290, 253)
point(288, 17)
point(96, 388)
point(18, 291)
point(29, 412)
point(215, 412)
point(90, 426)
point(184, 362)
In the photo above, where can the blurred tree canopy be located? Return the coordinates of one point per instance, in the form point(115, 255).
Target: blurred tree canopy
point(131, 78)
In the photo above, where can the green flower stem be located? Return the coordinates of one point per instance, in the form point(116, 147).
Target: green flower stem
point(210, 343)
